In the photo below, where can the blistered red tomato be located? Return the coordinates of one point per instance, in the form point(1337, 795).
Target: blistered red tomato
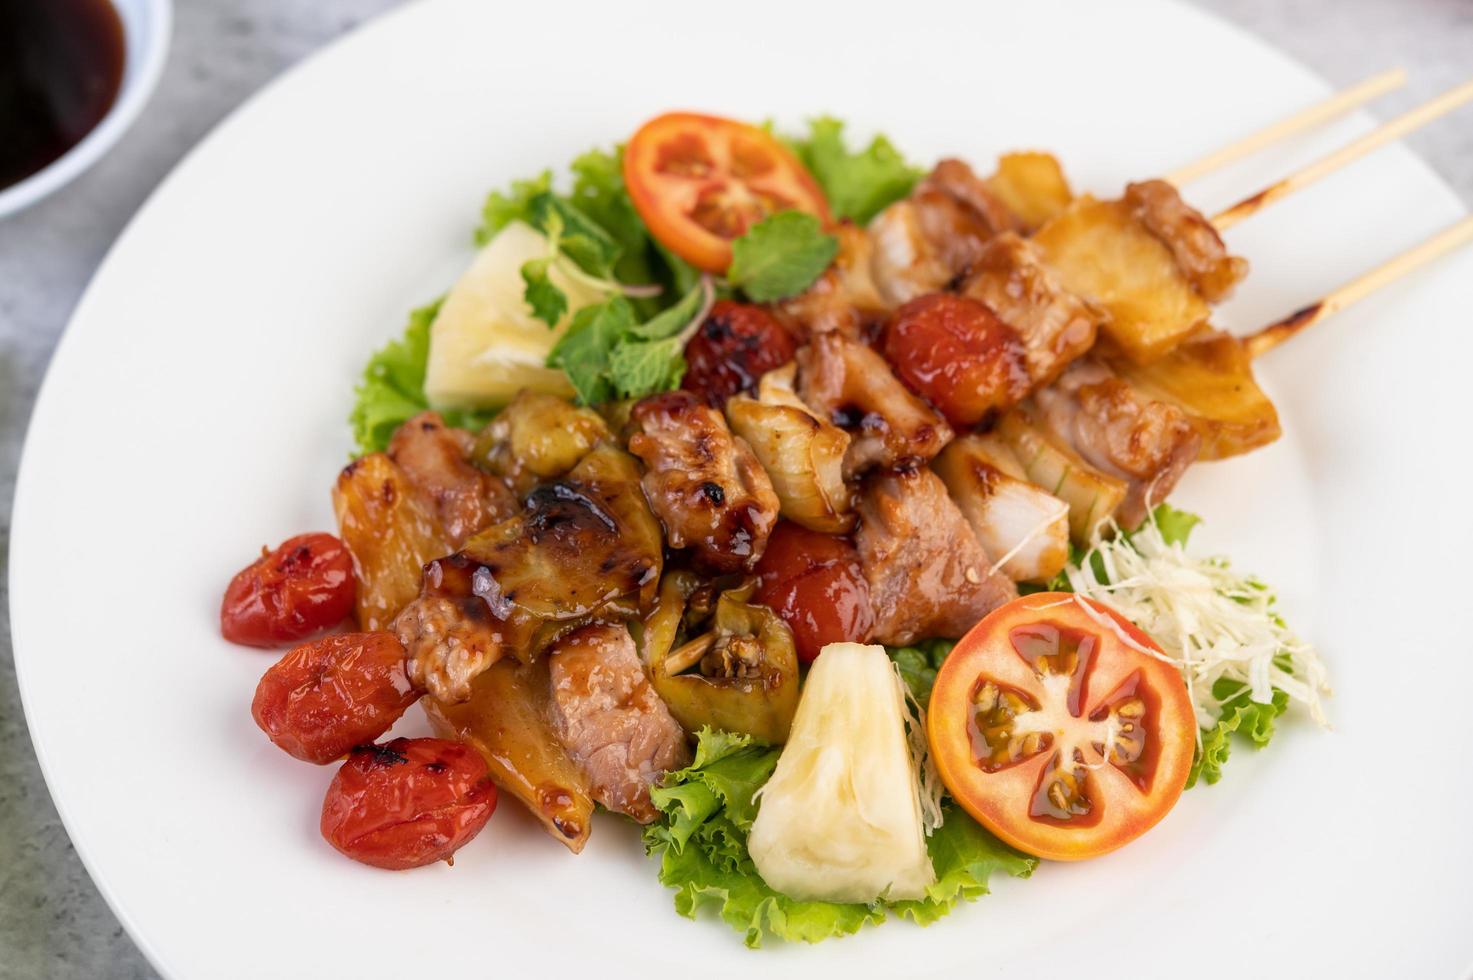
point(326, 697)
point(958, 355)
point(699, 182)
point(1061, 727)
point(300, 589)
point(731, 351)
point(815, 583)
point(408, 803)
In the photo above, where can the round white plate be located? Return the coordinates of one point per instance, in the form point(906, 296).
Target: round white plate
point(196, 409)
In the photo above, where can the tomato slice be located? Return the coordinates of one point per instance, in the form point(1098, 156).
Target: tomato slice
point(1061, 727)
point(700, 181)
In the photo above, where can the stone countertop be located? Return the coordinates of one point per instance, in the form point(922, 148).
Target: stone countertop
point(53, 923)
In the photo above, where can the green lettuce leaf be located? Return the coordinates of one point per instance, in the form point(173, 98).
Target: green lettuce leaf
point(1241, 716)
point(502, 208)
point(918, 664)
point(393, 387)
point(859, 184)
point(701, 842)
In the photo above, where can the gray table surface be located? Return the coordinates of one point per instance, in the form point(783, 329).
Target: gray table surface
point(53, 923)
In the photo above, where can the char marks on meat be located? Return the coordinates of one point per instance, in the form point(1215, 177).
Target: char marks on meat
point(1194, 243)
point(610, 719)
point(704, 483)
point(851, 385)
point(436, 459)
point(1120, 432)
point(586, 544)
point(928, 575)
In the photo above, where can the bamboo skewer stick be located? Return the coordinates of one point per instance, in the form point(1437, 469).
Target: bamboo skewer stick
point(1360, 287)
point(1306, 119)
point(1300, 179)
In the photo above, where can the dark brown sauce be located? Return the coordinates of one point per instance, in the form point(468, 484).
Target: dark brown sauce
point(61, 65)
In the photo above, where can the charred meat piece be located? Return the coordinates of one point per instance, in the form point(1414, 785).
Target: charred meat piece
point(611, 720)
point(1194, 243)
point(958, 181)
point(845, 298)
point(1121, 432)
point(390, 532)
point(849, 384)
point(928, 575)
point(586, 544)
point(436, 459)
point(1055, 325)
point(704, 483)
point(508, 719)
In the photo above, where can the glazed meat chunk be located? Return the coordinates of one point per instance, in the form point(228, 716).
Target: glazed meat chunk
point(436, 459)
point(1194, 243)
point(1120, 432)
point(704, 483)
point(849, 384)
point(610, 719)
point(928, 575)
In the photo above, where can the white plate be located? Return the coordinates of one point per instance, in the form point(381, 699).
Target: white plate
point(195, 410)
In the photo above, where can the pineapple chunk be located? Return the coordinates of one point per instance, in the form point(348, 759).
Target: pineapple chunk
point(1101, 252)
point(1032, 185)
point(485, 344)
point(1210, 378)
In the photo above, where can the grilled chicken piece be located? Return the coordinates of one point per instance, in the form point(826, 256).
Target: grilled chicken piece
point(390, 531)
point(928, 575)
point(1122, 433)
point(538, 437)
point(704, 483)
point(842, 300)
point(925, 240)
point(1011, 517)
point(610, 719)
point(584, 545)
point(1194, 243)
point(436, 459)
point(851, 385)
point(1055, 325)
point(1210, 378)
point(508, 719)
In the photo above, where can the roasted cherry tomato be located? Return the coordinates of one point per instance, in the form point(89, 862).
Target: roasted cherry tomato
point(325, 697)
point(733, 349)
point(1061, 727)
point(409, 803)
point(303, 587)
point(700, 181)
point(814, 582)
point(957, 354)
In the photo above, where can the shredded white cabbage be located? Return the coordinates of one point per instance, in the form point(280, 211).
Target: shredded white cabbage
point(1212, 622)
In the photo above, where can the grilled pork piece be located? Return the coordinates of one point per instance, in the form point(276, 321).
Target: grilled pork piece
point(927, 573)
point(436, 459)
point(1056, 326)
point(925, 240)
point(610, 719)
point(1194, 243)
point(1120, 432)
point(848, 383)
point(704, 483)
point(584, 545)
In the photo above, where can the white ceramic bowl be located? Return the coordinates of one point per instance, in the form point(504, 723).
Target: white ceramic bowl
point(146, 28)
